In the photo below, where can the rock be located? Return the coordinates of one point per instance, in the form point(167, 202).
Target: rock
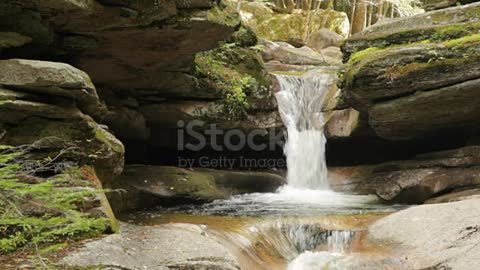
point(296, 56)
point(423, 114)
point(194, 4)
point(324, 38)
point(11, 39)
point(51, 79)
point(435, 236)
point(173, 246)
point(446, 23)
point(46, 103)
point(275, 65)
point(430, 5)
point(400, 84)
point(342, 123)
point(415, 180)
point(455, 196)
point(147, 186)
point(284, 27)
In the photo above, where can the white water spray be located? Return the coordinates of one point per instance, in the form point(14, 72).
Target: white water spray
point(300, 101)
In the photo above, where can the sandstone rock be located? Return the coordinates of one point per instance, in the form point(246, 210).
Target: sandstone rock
point(424, 113)
point(51, 79)
point(342, 123)
point(324, 38)
point(296, 56)
point(41, 101)
point(435, 236)
point(455, 196)
point(12, 39)
point(174, 246)
point(284, 27)
point(416, 28)
point(416, 180)
point(147, 186)
point(400, 85)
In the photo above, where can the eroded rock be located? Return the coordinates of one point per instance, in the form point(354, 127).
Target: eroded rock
point(147, 185)
point(435, 236)
point(174, 246)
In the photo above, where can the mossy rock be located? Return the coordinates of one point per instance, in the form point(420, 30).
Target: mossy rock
point(235, 72)
point(298, 25)
point(12, 39)
point(437, 26)
point(150, 186)
point(379, 74)
point(41, 210)
point(244, 37)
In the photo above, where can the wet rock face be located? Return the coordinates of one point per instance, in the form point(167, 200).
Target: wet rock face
point(415, 180)
point(432, 236)
point(146, 186)
point(397, 82)
point(142, 56)
point(174, 246)
point(49, 101)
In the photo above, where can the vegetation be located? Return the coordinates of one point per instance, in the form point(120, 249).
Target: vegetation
point(234, 72)
point(362, 13)
point(37, 209)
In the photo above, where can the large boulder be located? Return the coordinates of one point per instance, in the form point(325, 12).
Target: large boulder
point(297, 26)
point(435, 25)
point(147, 185)
point(398, 83)
point(435, 236)
point(49, 101)
point(287, 54)
point(52, 79)
point(324, 38)
point(415, 180)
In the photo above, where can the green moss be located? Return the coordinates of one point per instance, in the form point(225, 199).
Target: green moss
point(235, 72)
point(103, 136)
point(244, 37)
point(361, 54)
point(45, 211)
point(472, 39)
point(192, 184)
point(225, 16)
point(435, 34)
point(436, 55)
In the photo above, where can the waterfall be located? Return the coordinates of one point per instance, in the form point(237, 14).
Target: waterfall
point(300, 101)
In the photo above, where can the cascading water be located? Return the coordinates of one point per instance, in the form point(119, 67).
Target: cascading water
point(285, 230)
point(300, 101)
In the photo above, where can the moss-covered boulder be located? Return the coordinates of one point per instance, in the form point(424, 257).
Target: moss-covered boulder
point(147, 186)
point(406, 86)
point(47, 201)
point(48, 102)
point(298, 25)
point(12, 39)
point(237, 74)
point(438, 25)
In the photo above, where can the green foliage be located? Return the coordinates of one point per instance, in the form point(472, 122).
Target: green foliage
point(221, 66)
point(43, 210)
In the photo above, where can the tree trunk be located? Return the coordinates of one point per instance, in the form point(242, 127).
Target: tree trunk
point(305, 4)
point(360, 17)
point(289, 5)
point(352, 18)
point(379, 15)
point(370, 14)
